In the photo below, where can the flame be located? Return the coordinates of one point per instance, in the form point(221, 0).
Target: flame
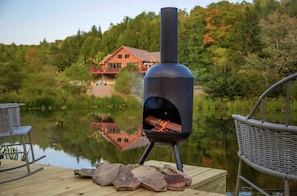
point(163, 125)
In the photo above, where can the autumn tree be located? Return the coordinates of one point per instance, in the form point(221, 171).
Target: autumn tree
point(218, 41)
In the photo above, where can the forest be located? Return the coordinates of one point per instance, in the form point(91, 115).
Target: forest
point(233, 50)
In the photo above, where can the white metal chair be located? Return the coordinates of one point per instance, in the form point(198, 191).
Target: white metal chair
point(268, 147)
point(10, 126)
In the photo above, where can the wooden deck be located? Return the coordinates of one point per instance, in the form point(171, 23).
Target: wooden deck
point(60, 181)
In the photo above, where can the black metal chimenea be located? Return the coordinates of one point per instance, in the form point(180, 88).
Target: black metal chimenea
point(168, 94)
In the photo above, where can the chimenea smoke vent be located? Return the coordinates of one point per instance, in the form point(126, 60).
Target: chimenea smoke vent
point(168, 93)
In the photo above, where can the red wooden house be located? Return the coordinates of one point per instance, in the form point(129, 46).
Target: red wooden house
point(113, 63)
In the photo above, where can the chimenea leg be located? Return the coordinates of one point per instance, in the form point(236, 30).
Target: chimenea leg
point(178, 160)
point(146, 152)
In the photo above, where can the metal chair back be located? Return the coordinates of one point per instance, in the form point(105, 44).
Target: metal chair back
point(268, 147)
point(10, 126)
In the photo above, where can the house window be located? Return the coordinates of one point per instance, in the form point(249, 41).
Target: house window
point(147, 65)
point(114, 65)
point(120, 56)
point(113, 130)
point(126, 56)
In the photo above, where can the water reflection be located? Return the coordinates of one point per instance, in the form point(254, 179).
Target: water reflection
point(60, 158)
point(111, 131)
point(78, 139)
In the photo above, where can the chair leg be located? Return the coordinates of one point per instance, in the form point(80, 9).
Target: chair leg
point(31, 146)
point(26, 154)
point(286, 187)
point(238, 177)
point(32, 151)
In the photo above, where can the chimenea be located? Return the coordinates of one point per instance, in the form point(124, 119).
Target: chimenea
point(168, 94)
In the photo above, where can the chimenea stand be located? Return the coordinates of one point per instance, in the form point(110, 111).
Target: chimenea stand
point(168, 94)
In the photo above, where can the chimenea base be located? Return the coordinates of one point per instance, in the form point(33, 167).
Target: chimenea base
point(177, 156)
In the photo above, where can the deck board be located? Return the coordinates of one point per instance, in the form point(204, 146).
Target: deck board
point(61, 181)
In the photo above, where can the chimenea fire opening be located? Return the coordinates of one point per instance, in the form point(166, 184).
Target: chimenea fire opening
point(161, 116)
point(168, 94)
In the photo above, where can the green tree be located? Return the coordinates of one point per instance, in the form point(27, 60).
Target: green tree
point(191, 49)
point(52, 54)
point(78, 71)
point(39, 84)
point(11, 77)
point(279, 34)
point(69, 51)
point(11, 67)
point(265, 7)
point(277, 58)
point(289, 7)
point(149, 33)
point(128, 81)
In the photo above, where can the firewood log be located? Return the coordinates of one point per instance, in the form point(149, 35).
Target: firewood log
point(162, 125)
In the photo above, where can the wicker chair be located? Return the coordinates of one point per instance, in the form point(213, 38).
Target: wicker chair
point(268, 147)
point(10, 126)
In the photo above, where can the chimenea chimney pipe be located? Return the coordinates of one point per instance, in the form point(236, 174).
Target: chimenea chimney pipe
point(168, 35)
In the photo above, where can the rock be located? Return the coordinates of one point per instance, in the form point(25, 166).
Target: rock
point(150, 178)
point(125, 180)
point(116, 174)
point(105, 174)
point(169, 170)
point(175, 182)
point(98, 165)
point(84, 173)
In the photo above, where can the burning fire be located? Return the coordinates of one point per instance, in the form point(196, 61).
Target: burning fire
point(163, 125)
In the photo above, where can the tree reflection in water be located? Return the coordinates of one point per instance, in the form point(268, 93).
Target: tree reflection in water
point(96, 137)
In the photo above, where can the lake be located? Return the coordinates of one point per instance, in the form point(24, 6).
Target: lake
point(78, 139)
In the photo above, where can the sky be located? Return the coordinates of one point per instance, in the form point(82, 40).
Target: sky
point(31, 21)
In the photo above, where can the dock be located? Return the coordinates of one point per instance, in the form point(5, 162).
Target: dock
point(61, 181)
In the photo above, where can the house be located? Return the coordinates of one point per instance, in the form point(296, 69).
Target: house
point(113, 63)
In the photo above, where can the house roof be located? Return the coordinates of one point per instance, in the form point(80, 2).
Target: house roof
point(144, 55)
point(141, 54)
point(105, 58)
point(155, 56)
point(139, 142)
point(135, 141)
